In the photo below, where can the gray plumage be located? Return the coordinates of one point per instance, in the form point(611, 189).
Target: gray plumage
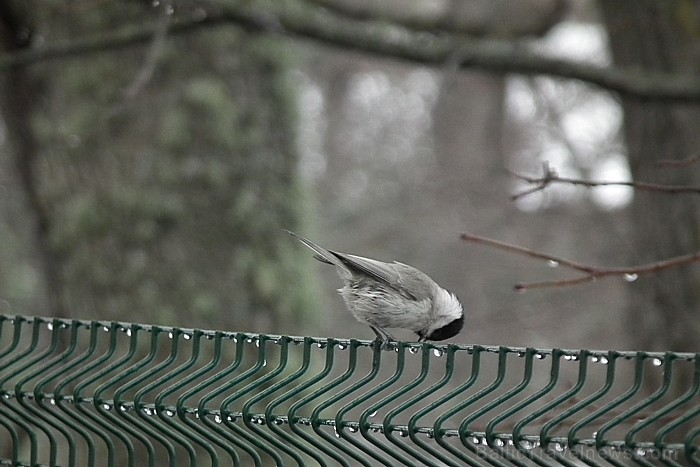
point(393, 295)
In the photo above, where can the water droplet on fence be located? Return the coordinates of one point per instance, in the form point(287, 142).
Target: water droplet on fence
point(148, 411)
point(106, 406)
point(604, 360)
point(437, 352)
point(541, 356)
point(631, 277)
point(278, 421)
point(525, 444)
point(128, 332)
point(553, 264)
point(403, 433)
point(170, 335)
point(414, 350)
point(217, 418)
point(556, 447)
point(231, 418)
point(657, 362)
point(105, 328)
point(342, 346)
point(52, 401)
point(49, 326)
point(335, 429)
point(169, 412)
point(321, 345)
point(476, 440)
point(373, 414)
point(353, 429)
point(498, 442)
point(186, 337)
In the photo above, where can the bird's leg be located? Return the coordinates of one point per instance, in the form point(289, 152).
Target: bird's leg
point(382, 335)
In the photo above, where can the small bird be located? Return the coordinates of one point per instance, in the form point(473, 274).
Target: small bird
point(393, 295)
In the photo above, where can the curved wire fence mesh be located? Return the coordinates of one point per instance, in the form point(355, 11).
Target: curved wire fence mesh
point(107, 393)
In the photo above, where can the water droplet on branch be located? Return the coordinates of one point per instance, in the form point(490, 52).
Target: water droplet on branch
point(631, 277)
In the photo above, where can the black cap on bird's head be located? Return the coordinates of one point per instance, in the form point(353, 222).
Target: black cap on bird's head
point(451, 329)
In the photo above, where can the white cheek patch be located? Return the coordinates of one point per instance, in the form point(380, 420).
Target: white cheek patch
point(446, 308)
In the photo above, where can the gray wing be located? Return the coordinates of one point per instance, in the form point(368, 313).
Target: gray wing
point(407, 280)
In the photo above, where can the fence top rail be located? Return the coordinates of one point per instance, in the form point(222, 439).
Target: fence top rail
point(276, 338)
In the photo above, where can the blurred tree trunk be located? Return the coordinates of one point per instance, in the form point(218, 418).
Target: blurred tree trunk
point(17, 101)
point(661, 36)
point(159, 176)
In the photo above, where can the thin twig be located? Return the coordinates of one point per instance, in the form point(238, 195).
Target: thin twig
point(550, 176)
point(148, 68)
point(526, 252)
point(672, 163)
point(591, 273)
point(525, 286)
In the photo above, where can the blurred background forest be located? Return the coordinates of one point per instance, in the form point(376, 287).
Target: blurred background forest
point(152, 151)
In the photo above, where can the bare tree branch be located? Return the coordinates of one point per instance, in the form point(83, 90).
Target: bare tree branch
point(671, 163)
point(591, 273)
point(444, 21)
point(300, 20)
point(550, 176)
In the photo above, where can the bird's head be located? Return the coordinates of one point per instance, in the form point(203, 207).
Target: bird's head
point(448, 317)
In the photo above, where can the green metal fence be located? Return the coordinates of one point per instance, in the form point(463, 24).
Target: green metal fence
point(107, 393)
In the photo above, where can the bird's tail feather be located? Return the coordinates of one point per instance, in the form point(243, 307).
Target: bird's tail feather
point(321, 254)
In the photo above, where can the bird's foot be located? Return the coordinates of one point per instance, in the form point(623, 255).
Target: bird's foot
point(384, 339)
